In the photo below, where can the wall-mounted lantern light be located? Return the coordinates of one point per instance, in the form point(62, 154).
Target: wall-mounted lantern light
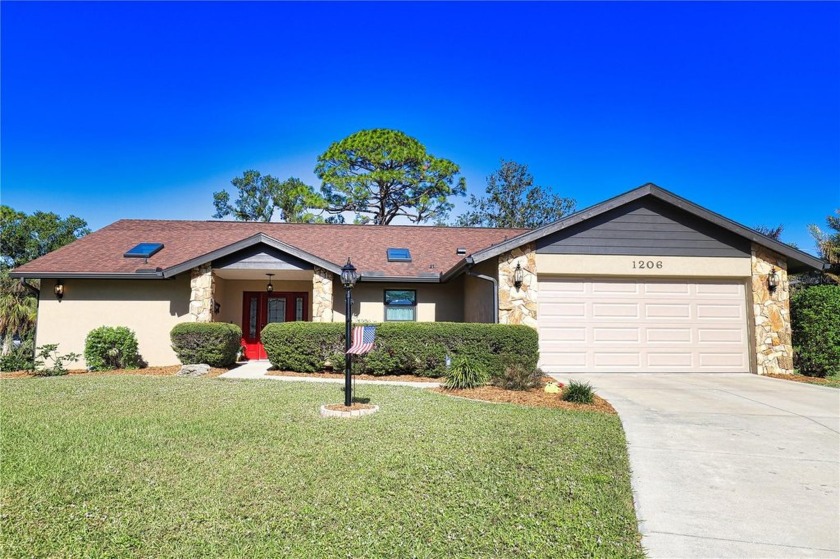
point(773, 280)
point(518, 276)
point(270, 287)
point(59, 290)
point(216, 307)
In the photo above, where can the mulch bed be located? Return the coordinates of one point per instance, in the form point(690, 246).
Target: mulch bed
point(148, 371)
point(805, 379)
point(535, 397)
point(408, 378)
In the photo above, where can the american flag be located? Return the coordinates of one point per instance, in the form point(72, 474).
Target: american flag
point(362, 340)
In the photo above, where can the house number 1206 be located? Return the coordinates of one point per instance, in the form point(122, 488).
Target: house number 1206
point(647, 264)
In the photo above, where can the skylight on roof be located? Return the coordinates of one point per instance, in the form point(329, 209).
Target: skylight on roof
point(399, 255)
point(143, 250)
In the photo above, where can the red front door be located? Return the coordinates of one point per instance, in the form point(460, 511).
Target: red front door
point(260, 308)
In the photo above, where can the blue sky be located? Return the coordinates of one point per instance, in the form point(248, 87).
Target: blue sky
point(113, 110)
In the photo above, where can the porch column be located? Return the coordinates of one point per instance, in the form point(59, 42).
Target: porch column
point(322, 295)
point(202, 293)
point(771, 313)
point(518, 305)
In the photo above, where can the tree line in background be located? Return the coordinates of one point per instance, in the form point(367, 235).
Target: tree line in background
point(380, 175)
point(25, 237)
point(376, 176)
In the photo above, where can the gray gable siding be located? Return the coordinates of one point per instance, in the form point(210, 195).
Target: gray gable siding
point(645, 227)
point(261, 257)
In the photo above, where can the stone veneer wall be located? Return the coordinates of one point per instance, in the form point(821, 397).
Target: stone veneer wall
point(202, 293)
point(518, 305)
point(773, 345)
point(322, 295)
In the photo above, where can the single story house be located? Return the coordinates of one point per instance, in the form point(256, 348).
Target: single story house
point(646, 281)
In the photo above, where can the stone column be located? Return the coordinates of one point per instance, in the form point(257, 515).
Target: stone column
point(322, 295)
point(771, 311)
point(518, 305)
point(202, 293)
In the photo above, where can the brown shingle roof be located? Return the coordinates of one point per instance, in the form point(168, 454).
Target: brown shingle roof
point(433, 249)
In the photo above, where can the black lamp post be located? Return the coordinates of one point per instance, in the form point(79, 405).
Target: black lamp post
point(348, 279)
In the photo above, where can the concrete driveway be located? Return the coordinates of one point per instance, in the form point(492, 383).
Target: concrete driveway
point(730, 465)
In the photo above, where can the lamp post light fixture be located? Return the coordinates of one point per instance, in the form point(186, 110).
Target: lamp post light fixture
point(270, 287)
point(773, 280)
point(348, 279)
point(518, 276)
point(59, 290)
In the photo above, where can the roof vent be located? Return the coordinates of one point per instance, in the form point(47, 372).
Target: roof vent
point(460, 251)
point(399, 255)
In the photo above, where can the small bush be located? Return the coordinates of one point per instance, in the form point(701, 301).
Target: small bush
point(517, 376)
point(21, 358)
point(415, 348)
point(49, 353)
point(111, 347)
point(578, 392)
point(815, 318)
point(465, 374)
point(214, 343)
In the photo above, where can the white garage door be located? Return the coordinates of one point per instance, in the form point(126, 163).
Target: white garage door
point(589, 325)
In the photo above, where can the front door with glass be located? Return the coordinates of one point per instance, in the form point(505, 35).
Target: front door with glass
point(260, 308)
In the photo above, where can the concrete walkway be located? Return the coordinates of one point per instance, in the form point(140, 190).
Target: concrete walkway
point(259, 370)
point(730, 465)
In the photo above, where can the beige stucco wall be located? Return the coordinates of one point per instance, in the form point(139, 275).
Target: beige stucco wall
point(478, 294)
point(672, 266)
point(435, 302)
point(149, 307)
point(229, 295)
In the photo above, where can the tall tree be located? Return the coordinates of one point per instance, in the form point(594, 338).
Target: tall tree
point(772, 232)
point(383, 174)
point(828, 244)
point(513, 200)
point(26, 237)
point(261, 197)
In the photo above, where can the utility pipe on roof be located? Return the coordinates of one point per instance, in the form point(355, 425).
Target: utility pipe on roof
point(470, 263)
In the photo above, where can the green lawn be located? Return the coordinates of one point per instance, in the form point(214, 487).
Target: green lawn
point(151, 467)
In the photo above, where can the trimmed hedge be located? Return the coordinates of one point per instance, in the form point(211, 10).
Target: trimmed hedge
point(815, 316)
point(214, 343)
point(406, 348)
point(111, 347)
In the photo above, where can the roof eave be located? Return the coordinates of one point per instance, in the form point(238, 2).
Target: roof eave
point(400, 279)
point(87, 275)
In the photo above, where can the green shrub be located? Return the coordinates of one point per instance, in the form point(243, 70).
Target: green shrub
point(578, 392)
point(111, 347)
point(49, 353)
point(465, 374)
point(407, 348)
point(815, 318)
point(304, 347)
point(20, 358)
point(214, 343)
point(517, 376)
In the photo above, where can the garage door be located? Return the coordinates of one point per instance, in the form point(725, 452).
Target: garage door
point(589, 325)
